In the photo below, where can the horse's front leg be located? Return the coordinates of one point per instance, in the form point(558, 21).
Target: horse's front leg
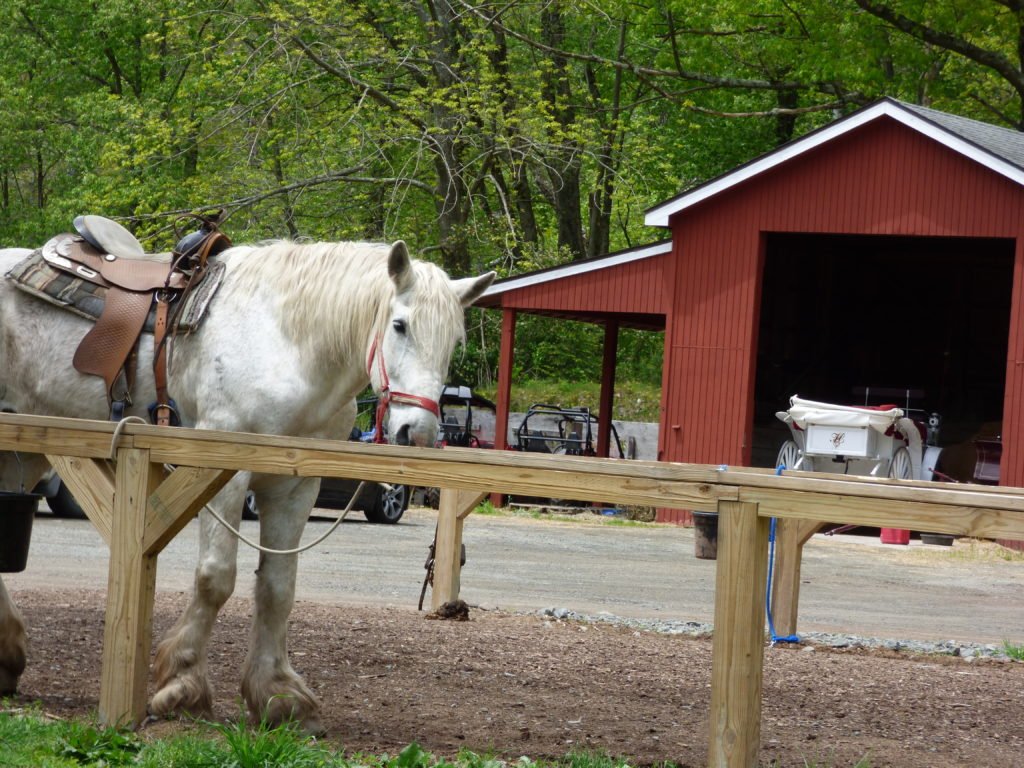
point(12, 643)
point(180, 667)
point(272, 689)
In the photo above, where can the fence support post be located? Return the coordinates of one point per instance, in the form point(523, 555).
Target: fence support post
point(741, 581)
point(131, 583)
point(790, 536)
point(452, 510)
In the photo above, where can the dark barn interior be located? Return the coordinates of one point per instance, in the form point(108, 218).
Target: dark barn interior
point(843, 313)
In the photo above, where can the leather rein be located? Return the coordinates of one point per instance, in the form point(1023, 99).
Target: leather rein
point(388, 396)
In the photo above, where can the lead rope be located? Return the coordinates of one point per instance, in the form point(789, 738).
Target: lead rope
point(234, 531)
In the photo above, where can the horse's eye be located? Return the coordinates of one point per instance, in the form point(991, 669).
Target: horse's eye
point(398, 325)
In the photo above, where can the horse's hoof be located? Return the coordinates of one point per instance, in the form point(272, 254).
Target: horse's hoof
point(182, 695)
point(8, 682)
point(313, 727)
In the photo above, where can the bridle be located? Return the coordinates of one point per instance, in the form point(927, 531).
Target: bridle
point(387, 396)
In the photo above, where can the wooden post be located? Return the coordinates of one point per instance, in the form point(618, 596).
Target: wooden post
point(506, 354)
point(790, 536)
point(738, 646)
point(131, 583)
point(611, 350)
point(455, 505)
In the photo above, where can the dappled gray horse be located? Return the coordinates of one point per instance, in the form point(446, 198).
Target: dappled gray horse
point(294, 333)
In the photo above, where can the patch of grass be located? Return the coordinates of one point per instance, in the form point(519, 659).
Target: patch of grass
point(485, 507)
point(91, 744)
point(633, 401)
point(282, 746)
point(1014, 651)
point(28, 739)
point(974, 551)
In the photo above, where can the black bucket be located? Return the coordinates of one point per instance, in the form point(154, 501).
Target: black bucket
point(705, 528)
point(17, 511)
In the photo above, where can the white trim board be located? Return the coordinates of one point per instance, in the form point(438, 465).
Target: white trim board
point(578, 268)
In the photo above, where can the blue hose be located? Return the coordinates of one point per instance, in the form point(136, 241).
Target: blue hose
point(768, 592)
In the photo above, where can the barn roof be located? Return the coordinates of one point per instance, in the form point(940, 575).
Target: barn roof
point(999, 149)
point(572, 269)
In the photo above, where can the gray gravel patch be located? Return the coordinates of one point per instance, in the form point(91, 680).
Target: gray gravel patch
point(965, 650)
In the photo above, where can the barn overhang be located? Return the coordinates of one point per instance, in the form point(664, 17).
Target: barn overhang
point(626, 287)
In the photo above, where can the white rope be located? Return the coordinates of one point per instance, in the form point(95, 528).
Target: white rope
point(238, 535)
point(117, 433)
point(234, 531)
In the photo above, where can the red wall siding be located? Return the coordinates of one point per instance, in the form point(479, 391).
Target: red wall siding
point(635, 287)
point(880, 179)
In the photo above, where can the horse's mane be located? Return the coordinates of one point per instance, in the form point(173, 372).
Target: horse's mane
point(340, 294)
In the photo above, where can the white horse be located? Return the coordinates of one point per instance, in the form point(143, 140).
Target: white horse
point(293, 335)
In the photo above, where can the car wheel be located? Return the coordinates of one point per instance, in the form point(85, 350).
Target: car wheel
point(63, 504)
point(432, 498)
point(390, 505)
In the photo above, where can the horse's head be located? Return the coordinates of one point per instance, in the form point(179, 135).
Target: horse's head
point(409, 357)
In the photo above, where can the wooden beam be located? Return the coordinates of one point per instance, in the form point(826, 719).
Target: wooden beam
point(738, 645)
point(128, 628)
point(930, 513)
point(646, 483)
point(52, 435)
point(178, 499)
point(790, 537)
point(91, 481)
point(451, 514)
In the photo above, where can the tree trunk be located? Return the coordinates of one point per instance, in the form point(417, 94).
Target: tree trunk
point(563, 165)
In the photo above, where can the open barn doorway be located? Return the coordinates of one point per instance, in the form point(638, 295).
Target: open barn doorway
point(842, 313)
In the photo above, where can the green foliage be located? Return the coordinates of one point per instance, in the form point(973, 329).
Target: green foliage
point(1013, 650)
point(99, 746)
point(282, 746)
point(513, 142)
point(633, 401)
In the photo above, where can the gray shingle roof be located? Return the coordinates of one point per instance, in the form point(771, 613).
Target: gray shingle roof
point(1004, 143)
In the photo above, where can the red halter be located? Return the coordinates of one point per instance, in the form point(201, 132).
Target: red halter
point(387, 396)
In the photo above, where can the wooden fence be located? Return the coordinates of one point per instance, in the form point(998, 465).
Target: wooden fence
point(151, 506)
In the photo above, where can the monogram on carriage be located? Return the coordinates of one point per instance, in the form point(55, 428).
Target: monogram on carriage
point(275, 338)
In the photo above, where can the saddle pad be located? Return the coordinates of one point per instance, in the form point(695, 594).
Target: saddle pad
point(34, 276)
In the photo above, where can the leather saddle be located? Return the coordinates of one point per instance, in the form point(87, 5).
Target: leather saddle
point(106, 254)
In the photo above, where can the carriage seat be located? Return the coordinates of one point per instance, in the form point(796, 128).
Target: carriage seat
point(109, 237)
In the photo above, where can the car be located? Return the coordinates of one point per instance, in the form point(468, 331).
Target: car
point(58, 498)
point(379, 502)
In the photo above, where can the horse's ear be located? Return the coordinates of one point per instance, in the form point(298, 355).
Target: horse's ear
point(400, 266)
point(470, 289)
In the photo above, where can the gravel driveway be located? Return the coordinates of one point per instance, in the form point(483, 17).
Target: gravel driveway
point(851, 584)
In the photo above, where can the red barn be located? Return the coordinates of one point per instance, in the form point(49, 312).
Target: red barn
point(884, 251)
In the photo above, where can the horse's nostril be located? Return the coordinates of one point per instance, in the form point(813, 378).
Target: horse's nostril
point(402, 436)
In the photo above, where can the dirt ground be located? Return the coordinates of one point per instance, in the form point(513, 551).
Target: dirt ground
point(525, 685)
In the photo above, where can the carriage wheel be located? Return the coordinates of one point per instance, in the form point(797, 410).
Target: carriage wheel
point(900, 467)
point(789, 455)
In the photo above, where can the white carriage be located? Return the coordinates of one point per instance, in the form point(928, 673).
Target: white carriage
point(879, 441)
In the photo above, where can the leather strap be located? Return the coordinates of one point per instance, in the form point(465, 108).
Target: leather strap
point(387, 396)
point(163, 410)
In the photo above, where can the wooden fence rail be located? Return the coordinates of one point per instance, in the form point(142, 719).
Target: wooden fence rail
point(150, 506)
